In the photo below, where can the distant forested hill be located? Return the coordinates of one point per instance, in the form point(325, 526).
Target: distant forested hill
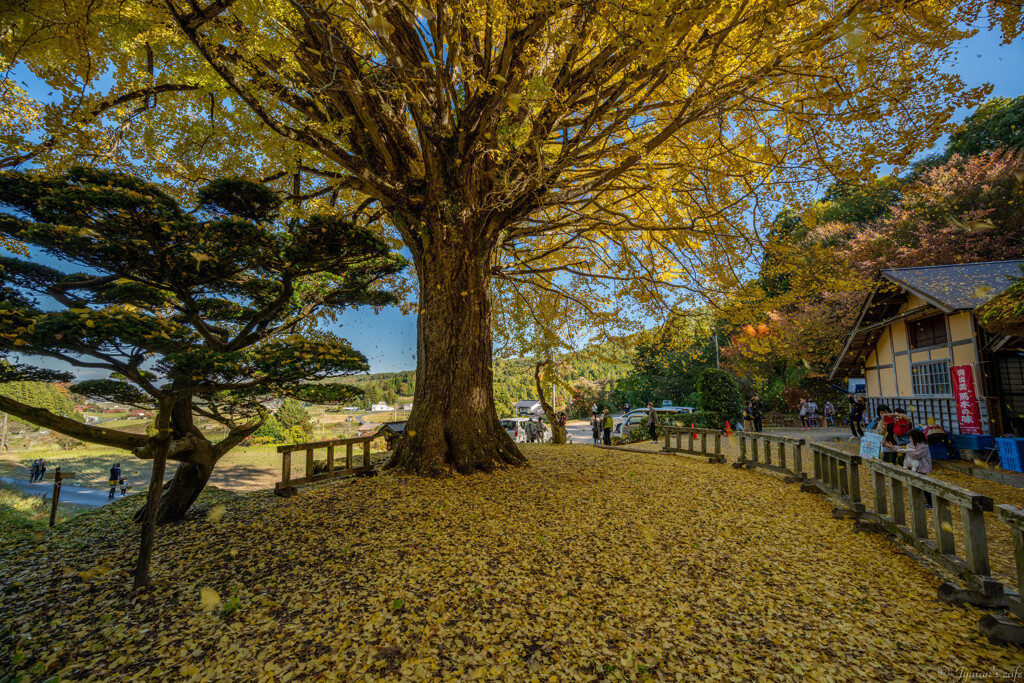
point(513, 378)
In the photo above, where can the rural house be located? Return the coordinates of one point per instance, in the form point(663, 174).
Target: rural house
point(530, 407)
point(918, 345)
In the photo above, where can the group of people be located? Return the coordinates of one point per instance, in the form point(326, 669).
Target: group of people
point(38, 470)
point(809, 413)
point(117, 479)
point(601, 425)
point(753, 414)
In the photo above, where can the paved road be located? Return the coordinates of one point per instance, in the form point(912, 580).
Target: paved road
point(72, 495)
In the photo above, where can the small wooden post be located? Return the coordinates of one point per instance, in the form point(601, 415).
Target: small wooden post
point(366, 454)
point(817, 463)
point(703, 443)
point(918, 519)
point(833, 465)
point(309, 462)
point(348, 456)
point(679, 439)
point(718, 445)
point(56, 497)
point(330, 459)
point(843, 469)
point(976, 543)
point(286, 468)
point(668, 438)
point(689, 442)
point(743, 448)
point(899, 514)
point(881, 506)
point(1018, 553)
point(798, 459)
point(782, 454)
point(943, 519)
point(854, 467)
point(754, 448)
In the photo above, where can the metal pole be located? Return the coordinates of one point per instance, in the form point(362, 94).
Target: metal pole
point(717, 364)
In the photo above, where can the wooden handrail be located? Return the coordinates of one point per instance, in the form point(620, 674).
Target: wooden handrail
point(323, 444)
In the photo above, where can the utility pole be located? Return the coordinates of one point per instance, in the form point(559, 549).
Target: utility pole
point(717, 364)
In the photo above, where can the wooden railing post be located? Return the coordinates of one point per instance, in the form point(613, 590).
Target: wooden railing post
point(943, 519)
point(309, 462)
point(348, 456)
point(918, 519)
point(976, 542)
point(366, 454)
point(703, 443)
point(817, 463)
point(286, 468)
point(854, 467)
point(833, 473)
point(718, 445)
point(798, 458)
point(743, 447)
point(899, 510)
point(878, 479)
point(754, 448)
point(330, 459)
point(782, 454)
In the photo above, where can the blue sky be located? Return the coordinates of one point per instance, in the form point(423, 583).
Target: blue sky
point(388, 339)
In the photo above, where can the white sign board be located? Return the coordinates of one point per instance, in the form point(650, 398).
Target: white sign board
point(871, 445)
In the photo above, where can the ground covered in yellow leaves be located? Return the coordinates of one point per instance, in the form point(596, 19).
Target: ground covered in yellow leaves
point(587, 565)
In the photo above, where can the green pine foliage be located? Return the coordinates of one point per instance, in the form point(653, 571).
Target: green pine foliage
point(42, 395)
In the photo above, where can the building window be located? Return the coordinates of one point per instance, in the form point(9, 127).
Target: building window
point(931, 379)
point(928, 332)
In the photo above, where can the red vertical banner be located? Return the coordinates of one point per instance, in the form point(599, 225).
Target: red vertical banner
point(967, 411)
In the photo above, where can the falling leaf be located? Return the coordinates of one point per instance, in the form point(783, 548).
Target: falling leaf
point(513, 102)
point(209, 599)
point(216, 513)
point(379, 25)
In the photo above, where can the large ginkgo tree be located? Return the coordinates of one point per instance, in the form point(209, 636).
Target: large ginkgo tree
point(619, 154)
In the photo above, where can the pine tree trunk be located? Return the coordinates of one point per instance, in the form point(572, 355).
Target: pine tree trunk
point(182, 490)
point(454, 425)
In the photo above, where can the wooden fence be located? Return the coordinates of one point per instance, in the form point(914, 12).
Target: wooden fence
point(897, 508)
point(691, 435)
point(286, 487)
point(756, 451)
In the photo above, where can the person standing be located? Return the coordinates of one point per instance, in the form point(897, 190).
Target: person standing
point(115, 477)
point(805, 412)
point(595, 428)
point(42, 469)
point(757, 412)
point(812, 412)
point(593, 410)
point(923, 455)
point(857, 407)
point(652, 421)
point(541, 431)
point(830, 414)
point(35, 471)
point(531, 430)
point(608, 423)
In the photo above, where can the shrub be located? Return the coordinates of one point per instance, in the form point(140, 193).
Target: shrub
point(66, 443)
point(719, 397)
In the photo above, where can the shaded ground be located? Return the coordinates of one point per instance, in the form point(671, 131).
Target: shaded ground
point(589, 564)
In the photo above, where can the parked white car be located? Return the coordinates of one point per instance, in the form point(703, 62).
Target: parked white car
point(516, 428)
point(631, 420)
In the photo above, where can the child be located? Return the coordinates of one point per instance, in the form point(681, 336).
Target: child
point(901, 426)
point(922, 458)
point(124, 485)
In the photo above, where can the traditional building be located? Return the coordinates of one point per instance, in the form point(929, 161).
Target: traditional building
point(918, 345)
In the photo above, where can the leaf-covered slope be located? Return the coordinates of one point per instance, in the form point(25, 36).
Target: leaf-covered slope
point(587, 565)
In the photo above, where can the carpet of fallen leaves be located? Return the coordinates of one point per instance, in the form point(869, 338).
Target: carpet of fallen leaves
point(587, 565)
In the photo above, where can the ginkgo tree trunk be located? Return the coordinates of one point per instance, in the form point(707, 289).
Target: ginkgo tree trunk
point(621, 155)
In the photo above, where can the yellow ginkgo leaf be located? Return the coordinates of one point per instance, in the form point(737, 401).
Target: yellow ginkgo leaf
point(216, 513)
point(209, 599)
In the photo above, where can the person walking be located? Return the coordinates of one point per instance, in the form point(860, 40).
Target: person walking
point(595, 428)
point(531, 430)
point(830, 414)
point(652, 421)
point(607, 424)
point(115, 477)
point(757, 412)
point(42, 469)
point(812, 412)
point(805, 423)
point(857, 408)
point(35, 471)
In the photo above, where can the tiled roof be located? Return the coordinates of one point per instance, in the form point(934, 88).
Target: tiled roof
point(957, 287)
